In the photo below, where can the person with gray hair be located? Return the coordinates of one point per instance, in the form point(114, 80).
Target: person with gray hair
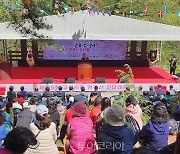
point(25, 117)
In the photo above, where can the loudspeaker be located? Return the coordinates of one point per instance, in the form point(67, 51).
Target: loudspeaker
point(100, 80)
point(47, 80)
point(69, 80)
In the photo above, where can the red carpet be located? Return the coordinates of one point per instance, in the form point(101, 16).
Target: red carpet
point(34, 75)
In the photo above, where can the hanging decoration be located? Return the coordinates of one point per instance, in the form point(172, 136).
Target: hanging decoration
point(42, 12)
point(141, 14)
point(165, 9)
point(56, 5)
point(73, 10)
point(153, 56)
point(109, 13)
point(89, 4)
point(66, 9)
point(178, 14)
point(146, 11)
point(26, 2)
point(70, 12)
point(124, 13)
point(29, 58)
point(131, 12)
point(160, 14)
point(25, 11)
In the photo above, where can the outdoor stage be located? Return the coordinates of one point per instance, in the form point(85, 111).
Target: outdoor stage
point(30, 78)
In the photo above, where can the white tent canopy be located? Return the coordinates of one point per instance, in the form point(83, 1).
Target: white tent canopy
point(99, 27)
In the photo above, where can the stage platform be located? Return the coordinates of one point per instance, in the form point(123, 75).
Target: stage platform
point(30, 78)
point(35, 75)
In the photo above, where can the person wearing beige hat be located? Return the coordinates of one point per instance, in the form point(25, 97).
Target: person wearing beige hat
point(116, 137)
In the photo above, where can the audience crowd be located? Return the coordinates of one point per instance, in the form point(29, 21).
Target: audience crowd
point(87, 123)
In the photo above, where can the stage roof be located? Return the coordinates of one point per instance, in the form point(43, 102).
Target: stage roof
point(99, 27)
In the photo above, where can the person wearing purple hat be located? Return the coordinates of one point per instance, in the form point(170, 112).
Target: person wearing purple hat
point(80, 130)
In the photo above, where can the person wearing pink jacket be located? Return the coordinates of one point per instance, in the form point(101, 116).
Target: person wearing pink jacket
point(133, 109)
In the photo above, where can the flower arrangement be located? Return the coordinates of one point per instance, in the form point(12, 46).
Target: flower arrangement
point(124, 77)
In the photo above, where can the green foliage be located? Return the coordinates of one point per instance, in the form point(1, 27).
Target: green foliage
point(174, 102)
point(145, 105)
point(170, 49)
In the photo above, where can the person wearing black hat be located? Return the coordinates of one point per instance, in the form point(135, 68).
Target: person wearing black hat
point(133, 109)
point(18, 140)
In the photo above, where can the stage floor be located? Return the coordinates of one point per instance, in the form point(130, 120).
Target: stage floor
point(25, 75)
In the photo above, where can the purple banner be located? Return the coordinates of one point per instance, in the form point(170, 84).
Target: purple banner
point(95, 49)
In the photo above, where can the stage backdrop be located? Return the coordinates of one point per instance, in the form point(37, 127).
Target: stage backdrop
point(96, 50)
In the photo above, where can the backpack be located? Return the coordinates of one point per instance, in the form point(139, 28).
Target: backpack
point(132, 123)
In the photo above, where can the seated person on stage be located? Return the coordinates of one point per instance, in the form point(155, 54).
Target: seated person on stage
point(84, 58)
